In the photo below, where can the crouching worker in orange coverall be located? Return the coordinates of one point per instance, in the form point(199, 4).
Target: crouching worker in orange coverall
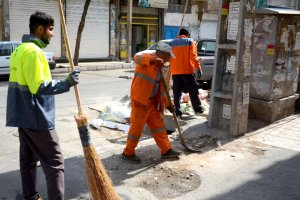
point(148, 102)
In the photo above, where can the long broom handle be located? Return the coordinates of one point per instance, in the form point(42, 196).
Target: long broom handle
point(184, 11)
point(174, 115)
point(66, 38)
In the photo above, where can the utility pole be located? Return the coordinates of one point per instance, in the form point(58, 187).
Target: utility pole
point(231, 76)
point(117, 30)
point(129, 30)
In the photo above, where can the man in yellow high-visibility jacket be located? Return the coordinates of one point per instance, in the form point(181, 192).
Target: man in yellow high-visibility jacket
point(30, 107)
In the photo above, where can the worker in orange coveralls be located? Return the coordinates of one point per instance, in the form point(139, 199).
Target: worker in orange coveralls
point(182, 70)
point(148, 102)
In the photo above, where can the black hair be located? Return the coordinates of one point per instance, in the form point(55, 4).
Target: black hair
point(40, 18)
point(184, 31)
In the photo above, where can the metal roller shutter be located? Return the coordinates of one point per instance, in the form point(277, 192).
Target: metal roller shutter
point(19, 14)
point(95, 36)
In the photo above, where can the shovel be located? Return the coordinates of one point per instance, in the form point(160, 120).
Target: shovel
point(182, 141)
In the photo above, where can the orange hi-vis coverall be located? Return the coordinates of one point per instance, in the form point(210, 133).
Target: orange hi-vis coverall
point(185, 50)
point(147, 102)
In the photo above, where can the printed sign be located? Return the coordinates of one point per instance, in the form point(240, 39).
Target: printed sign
point(246, 91)
point(153, 3)
point(297, 45)
point(226, 111)
point(233, 20)
point(230, 65)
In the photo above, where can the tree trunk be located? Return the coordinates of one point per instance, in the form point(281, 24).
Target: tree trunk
point(79, 32)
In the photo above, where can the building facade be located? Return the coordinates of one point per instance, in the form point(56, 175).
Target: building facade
point(95, 38)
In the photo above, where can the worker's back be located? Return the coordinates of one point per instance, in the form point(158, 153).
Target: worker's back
point(186, 59)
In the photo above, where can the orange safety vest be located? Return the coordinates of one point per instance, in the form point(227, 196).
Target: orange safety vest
point(144, 80)
point(186, 60)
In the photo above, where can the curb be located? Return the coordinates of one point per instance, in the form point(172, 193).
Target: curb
point(65, 68)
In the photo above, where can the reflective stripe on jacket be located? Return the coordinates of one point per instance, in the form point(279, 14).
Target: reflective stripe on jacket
point(30, 100)
point(145, 76)
point(186, 60)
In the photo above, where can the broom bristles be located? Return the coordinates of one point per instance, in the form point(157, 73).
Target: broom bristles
point(100, 184)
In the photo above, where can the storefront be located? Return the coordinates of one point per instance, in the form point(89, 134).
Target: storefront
point(95, 37)
point(145, 29)
point(19, 14)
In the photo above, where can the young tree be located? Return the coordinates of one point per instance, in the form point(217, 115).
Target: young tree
point(79, 31)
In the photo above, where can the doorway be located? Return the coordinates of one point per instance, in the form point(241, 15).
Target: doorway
point(139, 38)
point(144, 34)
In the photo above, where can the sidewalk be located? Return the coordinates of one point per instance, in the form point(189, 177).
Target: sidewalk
point(93, 66)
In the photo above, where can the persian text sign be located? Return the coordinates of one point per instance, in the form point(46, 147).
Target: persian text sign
point(154, 3)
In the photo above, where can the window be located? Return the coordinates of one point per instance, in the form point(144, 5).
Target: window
point(210, 47)
point(15, 45)
point(206, 47)
point(177, 6)
point(5, 49)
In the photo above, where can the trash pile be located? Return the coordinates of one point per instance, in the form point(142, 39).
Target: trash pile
point(114, 117)
point(203, 141)
point(186, 107)
point(117, 115)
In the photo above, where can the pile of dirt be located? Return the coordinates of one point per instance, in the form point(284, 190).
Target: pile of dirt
point(203, 141)
point(165, 182)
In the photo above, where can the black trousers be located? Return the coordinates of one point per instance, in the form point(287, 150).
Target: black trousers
point(41, 146)
point(188, 82)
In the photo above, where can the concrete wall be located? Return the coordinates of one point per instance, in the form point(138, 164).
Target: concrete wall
point(190, 20)
point(5, 23)
point(1, 20)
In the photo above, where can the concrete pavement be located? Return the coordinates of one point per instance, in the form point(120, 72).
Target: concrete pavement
point(262, 164)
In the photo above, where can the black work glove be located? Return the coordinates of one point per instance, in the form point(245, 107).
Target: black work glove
point(170, 109)
point(199, 74)
point(157, 62)
point(73, 77)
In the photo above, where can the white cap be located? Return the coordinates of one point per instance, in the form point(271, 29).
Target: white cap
point(161, 46)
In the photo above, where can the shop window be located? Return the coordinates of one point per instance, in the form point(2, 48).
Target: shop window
point(177, 6)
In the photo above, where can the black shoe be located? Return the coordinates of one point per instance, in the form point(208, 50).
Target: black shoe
point(178, 113)
point(200, 110)
point(170, 154)
point(133, 159)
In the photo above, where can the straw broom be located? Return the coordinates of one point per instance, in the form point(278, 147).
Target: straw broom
point(99, 183)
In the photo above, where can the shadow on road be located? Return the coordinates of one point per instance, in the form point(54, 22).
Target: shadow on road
point(279, 181)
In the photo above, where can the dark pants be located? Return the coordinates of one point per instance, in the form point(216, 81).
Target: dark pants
point(188, 82)
point(41, 146)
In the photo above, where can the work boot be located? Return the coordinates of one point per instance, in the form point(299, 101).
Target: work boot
point(133, 158)
point(200, 110)
point(170, 154)
point(178, 113)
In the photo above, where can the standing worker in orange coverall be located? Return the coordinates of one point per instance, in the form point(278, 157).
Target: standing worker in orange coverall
point(147, 102)
point(182, 70)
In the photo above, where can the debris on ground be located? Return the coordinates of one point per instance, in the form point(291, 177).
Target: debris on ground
point(165, 182)
point(98, 123)
point(200, 142)
point(113, 117)
point(115, 114)
point(186, 107)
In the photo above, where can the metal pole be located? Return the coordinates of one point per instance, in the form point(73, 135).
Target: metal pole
point(117, 30)
point(129, 30)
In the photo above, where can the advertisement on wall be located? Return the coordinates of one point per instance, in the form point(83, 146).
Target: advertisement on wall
point(153, 3)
